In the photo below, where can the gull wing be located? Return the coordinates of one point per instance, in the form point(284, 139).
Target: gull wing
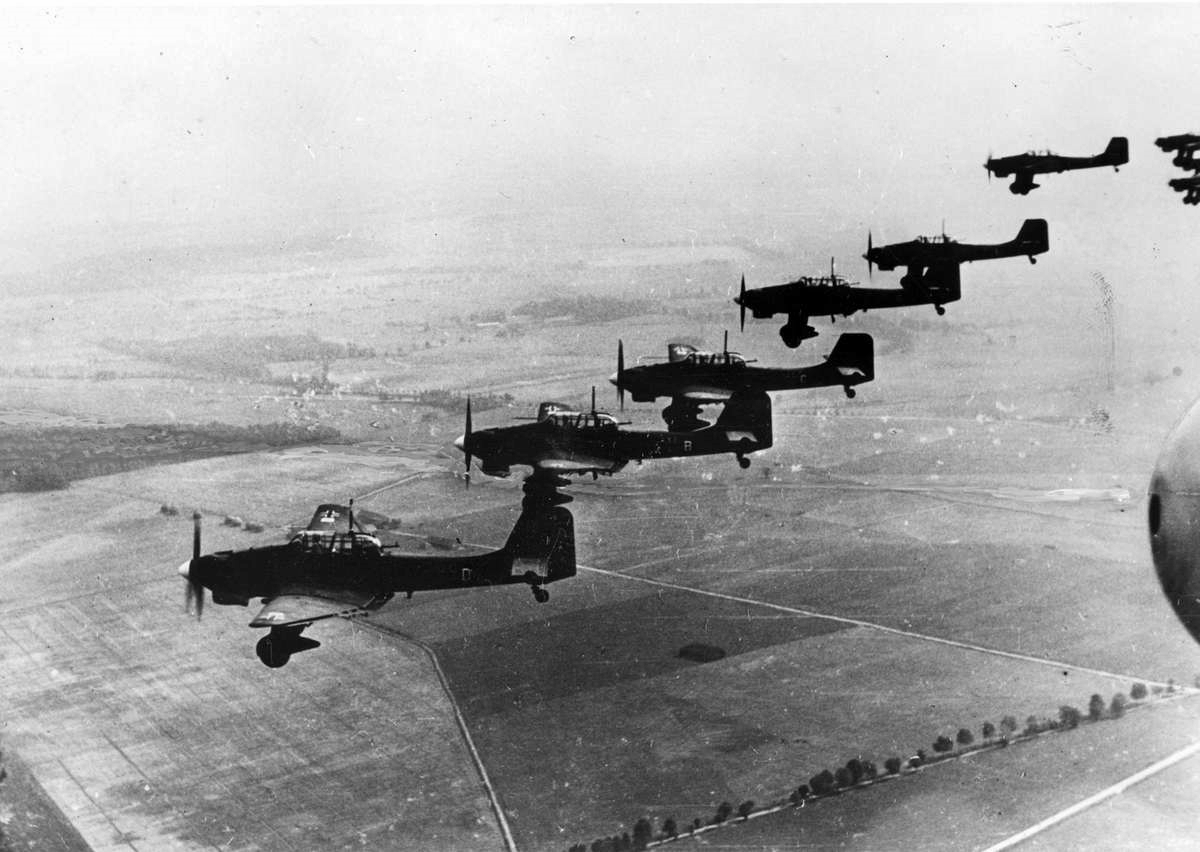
point(575, 464)
point(297, 610)
point(703, 393)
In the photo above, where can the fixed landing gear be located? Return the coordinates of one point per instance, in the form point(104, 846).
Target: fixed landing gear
point(683, 416)
point(535, 583)
point(278, 646)
point(850, 392)
point(743, 462)
point(795, 334)
point(543, 491)
point(941, 312)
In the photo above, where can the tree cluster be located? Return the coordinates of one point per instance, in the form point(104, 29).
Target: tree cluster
point(586, 307)
point(859, 770)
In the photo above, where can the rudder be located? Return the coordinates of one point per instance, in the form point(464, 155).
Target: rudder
point(543, 541)
point(855, 350)
point(1036, 233)
point(1117, 152)
point(748, 411)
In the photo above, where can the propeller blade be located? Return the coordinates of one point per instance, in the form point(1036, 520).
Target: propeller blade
point(593, 399)
point(193, 591)
point(870, 263)
point(467, 443)
point(193, 598)
point(742, 302)
point(621, 373)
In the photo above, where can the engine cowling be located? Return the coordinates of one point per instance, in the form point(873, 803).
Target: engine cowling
point(1173, 516)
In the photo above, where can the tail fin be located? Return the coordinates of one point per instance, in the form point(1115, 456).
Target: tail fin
point(1035, 234)
point(1117, 152)
point(543, 541)
point(748, 411)
point(855, 351)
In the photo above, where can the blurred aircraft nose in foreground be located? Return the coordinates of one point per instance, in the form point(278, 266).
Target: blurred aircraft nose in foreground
point(1174, 518)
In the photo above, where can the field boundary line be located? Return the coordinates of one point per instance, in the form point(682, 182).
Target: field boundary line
point(858, 622)
point(510, 842)
point(1097, 798)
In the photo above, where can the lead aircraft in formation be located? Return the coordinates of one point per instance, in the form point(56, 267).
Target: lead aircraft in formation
point(1025, 166)
point(334, 569)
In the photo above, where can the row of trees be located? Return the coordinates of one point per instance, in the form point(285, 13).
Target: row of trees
point(236, 356)
point(448, 400)
point(861, 771)
point(586, 307)
point(47, 459)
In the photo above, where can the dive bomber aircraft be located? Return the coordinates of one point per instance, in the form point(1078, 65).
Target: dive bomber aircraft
point(333, 569)
point(564, 441)
point(1190, 186)
point(1025, 166)
point(1182, 142)
point(925, 253)
point(692, 377)
point(820, 296)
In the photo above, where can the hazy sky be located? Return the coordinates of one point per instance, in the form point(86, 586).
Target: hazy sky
point(136, 123)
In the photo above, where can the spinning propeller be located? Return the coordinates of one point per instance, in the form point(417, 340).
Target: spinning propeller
point(870, 263)
point(466, 443)
point(193, 591)
point(742, 302)
point(620, 373)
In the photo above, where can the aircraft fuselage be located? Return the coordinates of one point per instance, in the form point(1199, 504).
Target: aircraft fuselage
point(237, 576)
point(661, 380)
point(764, 302)
point(744, 427)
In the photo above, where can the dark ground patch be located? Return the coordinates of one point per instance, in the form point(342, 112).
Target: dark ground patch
point(698, 652)
point(36, 822)
point(603, 646)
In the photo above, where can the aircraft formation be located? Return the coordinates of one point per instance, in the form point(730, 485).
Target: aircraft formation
point(334, 568)
point(1185, 145)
